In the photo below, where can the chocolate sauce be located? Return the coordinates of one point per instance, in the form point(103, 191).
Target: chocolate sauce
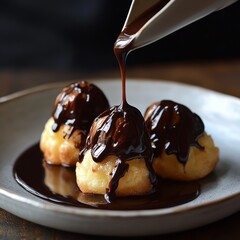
point(125, 41)
point(77, 106)
point(174, 128)
point(58, 184)
point(120, 131)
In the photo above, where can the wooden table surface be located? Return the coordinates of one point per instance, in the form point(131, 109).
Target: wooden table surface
point(222, 76)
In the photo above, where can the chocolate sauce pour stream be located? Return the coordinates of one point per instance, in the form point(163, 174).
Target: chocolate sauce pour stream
point(125, 41)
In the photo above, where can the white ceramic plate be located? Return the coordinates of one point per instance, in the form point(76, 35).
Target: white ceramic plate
point(23, 115)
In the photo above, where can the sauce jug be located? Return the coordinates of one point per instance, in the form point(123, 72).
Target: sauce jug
point(151, 20)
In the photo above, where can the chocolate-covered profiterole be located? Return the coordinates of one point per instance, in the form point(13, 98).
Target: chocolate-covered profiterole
point(173, 127)
point(121, 132)
point(65, 132)
point(182, 149)
point(77, 106)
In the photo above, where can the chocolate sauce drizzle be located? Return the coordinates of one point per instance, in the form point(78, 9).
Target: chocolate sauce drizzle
point(174, 128)
point(77, 106)
point(120, 131)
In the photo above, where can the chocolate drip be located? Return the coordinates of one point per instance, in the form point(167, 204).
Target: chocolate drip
point(174, 128)
point(77, 106)
point(120, 131)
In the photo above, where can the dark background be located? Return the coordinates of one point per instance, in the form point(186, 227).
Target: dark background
point(79, 35)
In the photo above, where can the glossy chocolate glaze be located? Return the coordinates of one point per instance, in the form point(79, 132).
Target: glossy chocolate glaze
point(120, 131)
point(77, 106)
point(58, 184)
point(173, 128)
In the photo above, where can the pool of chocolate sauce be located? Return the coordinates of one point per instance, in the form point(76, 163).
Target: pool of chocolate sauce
point(57, 184)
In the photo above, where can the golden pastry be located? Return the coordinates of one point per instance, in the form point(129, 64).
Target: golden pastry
point(74, 111)
point(182, 149)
